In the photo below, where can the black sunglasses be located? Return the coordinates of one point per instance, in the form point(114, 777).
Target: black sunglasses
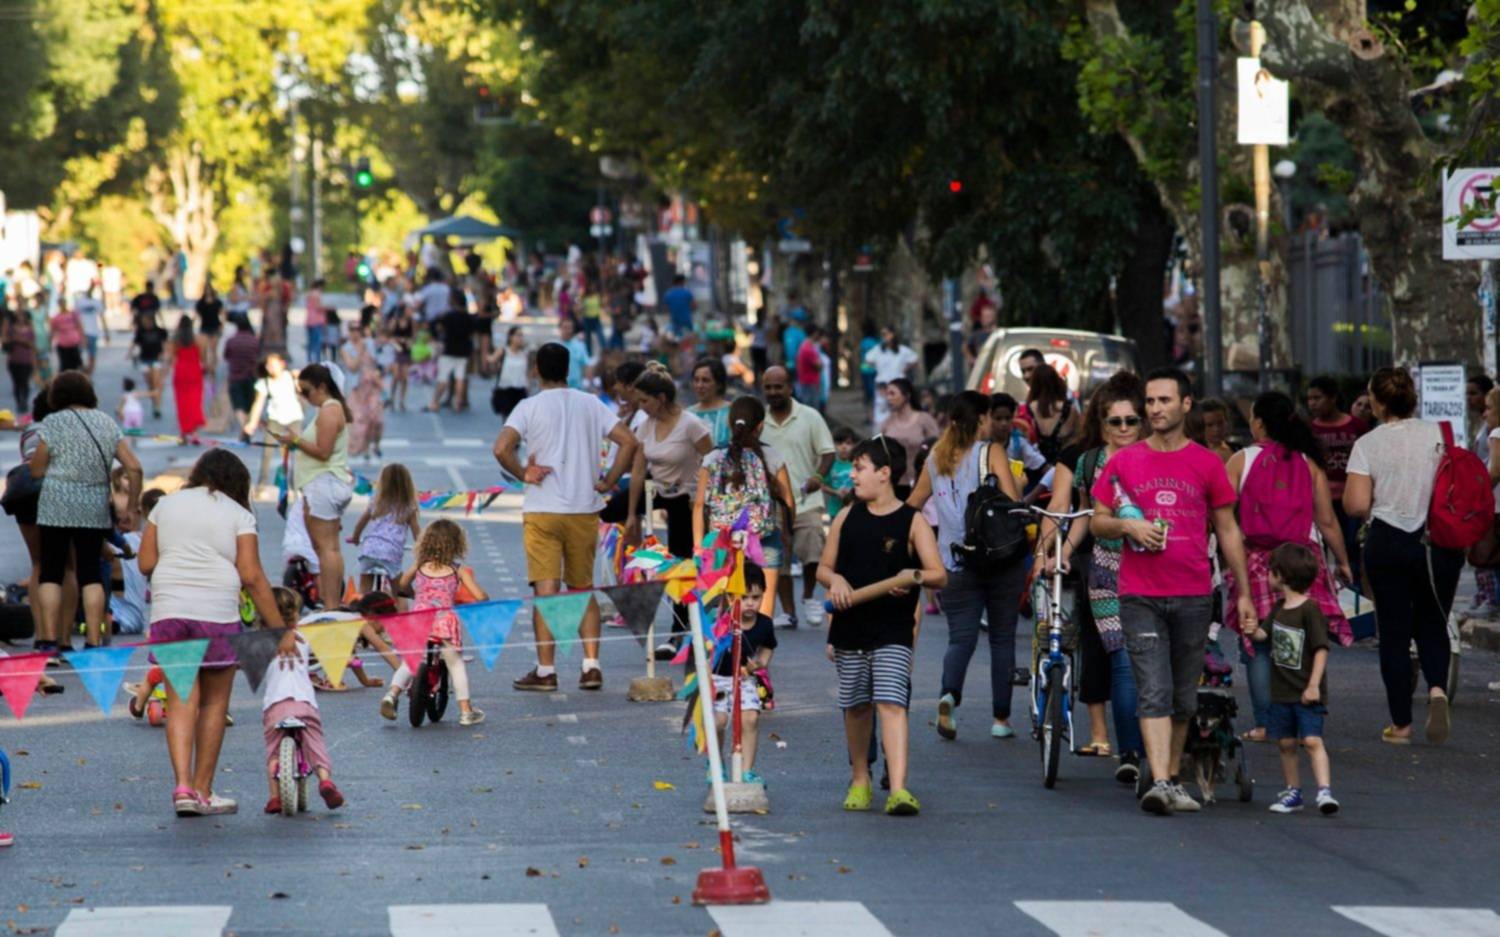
point(1119, 421)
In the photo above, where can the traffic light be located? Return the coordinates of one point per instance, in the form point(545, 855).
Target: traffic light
point(363, 270)
point(955, 186)
point(363, 178)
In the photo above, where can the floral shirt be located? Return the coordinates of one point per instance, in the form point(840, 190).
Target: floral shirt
point(80, 450)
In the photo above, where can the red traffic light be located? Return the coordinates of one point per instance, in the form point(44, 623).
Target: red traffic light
point(484, 91)
point(955, 186)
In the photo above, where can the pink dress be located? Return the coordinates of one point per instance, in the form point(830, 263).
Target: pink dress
point(438, 592)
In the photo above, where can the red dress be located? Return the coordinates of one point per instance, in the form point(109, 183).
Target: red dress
point(187, 384)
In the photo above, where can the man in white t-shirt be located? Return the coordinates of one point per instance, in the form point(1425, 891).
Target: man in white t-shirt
point(891, 360)
point(89, 310)
point(433, 297)
point(563, 431)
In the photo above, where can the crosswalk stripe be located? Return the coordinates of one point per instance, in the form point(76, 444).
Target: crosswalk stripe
point(162, 921)
point(463, 442)
point(1419, 922)
point(472, 920)
point(1116, 919)
point(798, 919)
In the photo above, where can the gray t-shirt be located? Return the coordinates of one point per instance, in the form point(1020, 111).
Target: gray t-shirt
point(80, 451)
point(1401, 460)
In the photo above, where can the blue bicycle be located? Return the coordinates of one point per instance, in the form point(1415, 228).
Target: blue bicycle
point(1052, 667)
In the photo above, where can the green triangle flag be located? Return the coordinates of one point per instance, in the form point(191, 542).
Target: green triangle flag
point(563, 614)
point(179, 660)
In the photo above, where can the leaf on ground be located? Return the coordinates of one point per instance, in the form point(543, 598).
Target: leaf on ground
point(484, 790)
point(690, 846)
point(668, 860)
point(583, 862)
point(664, 785)
point(677, 899)
point(416, 846)
point(533, 872)
point(774, 737)
point(844, 870)
point(30, 785)
point(411, 806)
point(279, 894)
point(341, 826)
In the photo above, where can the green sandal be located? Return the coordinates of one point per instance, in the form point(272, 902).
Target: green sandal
point(858, 798)
point(902, 803)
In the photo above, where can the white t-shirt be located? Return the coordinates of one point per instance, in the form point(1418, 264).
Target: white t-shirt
point(434, 300)
point(282, 405)
point(89, 310)
point(197, 535)
point(890, 365)
point(1485, 455)
point(563, 429)
point(673, 462)
point(289, 683)
point(1401, 460)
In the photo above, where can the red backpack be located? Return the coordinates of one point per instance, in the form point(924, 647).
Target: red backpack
point(1463, 503)
point(1276, 498)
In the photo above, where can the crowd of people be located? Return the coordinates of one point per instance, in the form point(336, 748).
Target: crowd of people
point(1194, 542)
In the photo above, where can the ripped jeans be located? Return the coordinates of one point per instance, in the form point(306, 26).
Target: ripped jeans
point(1166, 637)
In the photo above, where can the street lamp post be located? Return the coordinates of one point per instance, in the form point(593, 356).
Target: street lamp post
point(1208, 168)
point(1261, 158)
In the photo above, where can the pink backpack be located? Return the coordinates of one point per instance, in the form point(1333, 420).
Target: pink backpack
point(1276, 498)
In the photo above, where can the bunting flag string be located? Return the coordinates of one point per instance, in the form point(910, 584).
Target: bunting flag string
point(19, 676)
point(457, 498)
point(102, 670)
point(408, 633)
point(489, 625)
point(637, 606)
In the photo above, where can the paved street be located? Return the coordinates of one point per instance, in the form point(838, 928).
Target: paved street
point(549, 818)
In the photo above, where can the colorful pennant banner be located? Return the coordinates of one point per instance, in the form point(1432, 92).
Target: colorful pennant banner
point(19, 676)
point(179, 660)
point(564, 613)
point(637, 605)
point(255, 651)
point(489, 625)
point(333, 643)
point(102, 670)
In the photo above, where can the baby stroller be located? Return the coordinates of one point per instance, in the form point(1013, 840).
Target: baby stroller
point(1213, 749)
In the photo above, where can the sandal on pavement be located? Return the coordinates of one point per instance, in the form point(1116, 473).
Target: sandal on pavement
point(1096, 750)
point(858, 798)
point(1257, 734)
point(186, 802)
point(273, 806)
point(6, 839)
point(1437, 719)
point(1388, 735)
point(902, 803)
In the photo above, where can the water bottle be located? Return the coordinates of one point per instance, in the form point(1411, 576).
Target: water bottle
point(1127, 510)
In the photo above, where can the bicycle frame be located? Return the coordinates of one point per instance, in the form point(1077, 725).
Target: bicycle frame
point(1056, 665)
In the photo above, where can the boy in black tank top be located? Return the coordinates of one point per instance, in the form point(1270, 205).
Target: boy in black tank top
point(875, 538)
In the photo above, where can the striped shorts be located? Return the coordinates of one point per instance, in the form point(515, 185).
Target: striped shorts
point(882, 675)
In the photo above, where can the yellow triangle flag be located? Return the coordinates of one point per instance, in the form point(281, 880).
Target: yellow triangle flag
point(714, 591)
point(737, 578)
point(687, 569)
point(677, 588)
point(333, 642)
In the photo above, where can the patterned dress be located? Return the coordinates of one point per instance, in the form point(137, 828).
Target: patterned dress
point(438, 592)
point(1104, 566)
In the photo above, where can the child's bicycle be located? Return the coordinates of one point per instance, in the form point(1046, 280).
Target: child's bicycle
point(292, 769)
point(1052, 668)
point(429, 687)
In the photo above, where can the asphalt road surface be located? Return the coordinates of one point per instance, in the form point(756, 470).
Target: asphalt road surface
point(550, 818)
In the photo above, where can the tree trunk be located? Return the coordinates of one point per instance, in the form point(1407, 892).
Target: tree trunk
point(1179, 194)
point(183, 200)
point(1364, 88)
point(1138, 293)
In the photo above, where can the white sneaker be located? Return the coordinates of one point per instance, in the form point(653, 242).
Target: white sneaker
point(1327, 806)
point(812, 612)
point(218, 806)
point(471, 718)
point(1182, 801)
point(388, 706)
point(784, 621)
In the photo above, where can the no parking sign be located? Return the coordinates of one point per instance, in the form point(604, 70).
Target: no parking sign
point(1471, 226)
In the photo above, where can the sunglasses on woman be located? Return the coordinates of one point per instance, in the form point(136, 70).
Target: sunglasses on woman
point(1119, 422)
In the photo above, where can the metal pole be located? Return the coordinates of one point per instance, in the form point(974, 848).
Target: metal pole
point(1208, 66)
point(955, 333)
point(1487, 305)
point(315, 241)
point(1261, 156)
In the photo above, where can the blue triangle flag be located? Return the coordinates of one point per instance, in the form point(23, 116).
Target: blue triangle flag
point(101, 669)
point(563, 614)
point(489, 625)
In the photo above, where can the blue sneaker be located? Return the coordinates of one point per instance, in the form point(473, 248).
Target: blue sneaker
point(1288, 801)
point(750, 777)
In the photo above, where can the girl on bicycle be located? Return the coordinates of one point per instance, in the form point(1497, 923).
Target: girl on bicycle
point(435, 579)
point(289, 694)
point(381, 531)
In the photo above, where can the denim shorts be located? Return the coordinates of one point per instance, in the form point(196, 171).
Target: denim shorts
point(327, 497)
point(773, 550)
point(1295, 721)
point(1166, 637)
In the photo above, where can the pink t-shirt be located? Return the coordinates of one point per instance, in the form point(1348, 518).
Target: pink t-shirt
point(315, 313)
point(1181, 488)
point(809, 363)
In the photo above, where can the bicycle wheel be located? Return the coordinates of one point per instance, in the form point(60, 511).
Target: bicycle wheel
point(416, 708)
point(437, 701)
point(1052, 728)
point(286, 774)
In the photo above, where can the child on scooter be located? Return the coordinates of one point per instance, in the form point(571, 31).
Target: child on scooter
point(381, 531)
point(289, 694)
point(435, 579)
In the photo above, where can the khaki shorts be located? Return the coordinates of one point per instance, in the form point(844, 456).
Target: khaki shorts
point(808, 538)
point(560, 546)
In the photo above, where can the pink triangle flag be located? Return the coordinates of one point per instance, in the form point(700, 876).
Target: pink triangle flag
point(18, 679)
point(408, 633)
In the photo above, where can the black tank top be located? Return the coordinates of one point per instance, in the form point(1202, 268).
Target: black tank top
point(871, 548)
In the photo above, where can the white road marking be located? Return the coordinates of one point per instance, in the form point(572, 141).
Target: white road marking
point(578, 740)
point(1116, 919)
point(395, 443)
point(463, 442)
point(1419, 922)
point(147, 921)
point(798, 919)
point(442, 461)
point(567, 717)
point(472, 920)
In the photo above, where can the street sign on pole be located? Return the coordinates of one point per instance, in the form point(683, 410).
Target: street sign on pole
point(1442, 390)
point(1471, 226)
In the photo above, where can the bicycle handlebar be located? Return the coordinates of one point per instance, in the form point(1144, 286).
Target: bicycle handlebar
point(1057, 516)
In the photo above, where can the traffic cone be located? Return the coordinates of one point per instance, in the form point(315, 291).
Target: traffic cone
point(351, 593)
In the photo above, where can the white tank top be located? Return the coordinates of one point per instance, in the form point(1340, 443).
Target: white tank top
point(951, 494)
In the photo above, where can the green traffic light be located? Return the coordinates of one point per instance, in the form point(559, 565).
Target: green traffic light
point(364, 179)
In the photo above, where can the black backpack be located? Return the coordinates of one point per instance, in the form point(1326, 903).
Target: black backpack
point(1050, 445)
point(994, 535)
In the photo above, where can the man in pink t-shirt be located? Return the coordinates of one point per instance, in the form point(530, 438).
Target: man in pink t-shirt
point(316, 322)
point(1162, 495)
point(810, 369)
